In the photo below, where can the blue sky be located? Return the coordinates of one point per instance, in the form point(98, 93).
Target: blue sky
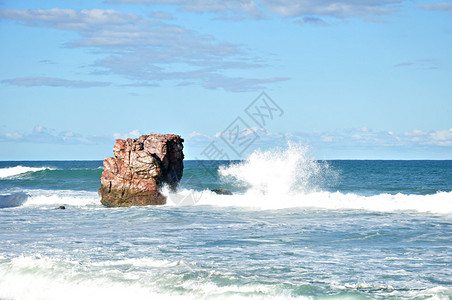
point(364, 79)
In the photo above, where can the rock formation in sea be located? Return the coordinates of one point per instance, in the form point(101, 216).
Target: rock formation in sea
point(139, 168)
point(222, 192)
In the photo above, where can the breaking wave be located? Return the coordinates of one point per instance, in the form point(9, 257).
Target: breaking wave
point(439, 203)
point(42, 277)
point(17, 170)
point(13, 200)
point(279, 171)
point(51, 199)
point(290, 178)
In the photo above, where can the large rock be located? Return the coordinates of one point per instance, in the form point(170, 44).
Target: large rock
point(139, 168)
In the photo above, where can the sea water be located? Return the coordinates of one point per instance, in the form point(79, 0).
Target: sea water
point(294, 228)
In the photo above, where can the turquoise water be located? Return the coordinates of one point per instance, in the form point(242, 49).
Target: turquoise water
point(294, 228)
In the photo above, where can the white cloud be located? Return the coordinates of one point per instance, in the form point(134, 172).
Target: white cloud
point(260, 131)
point(131, 134)
point(53, 82)
point(241, 6)
point(238, 84)
point(161, 15)
point(364, 129)
point(38, 129)
point(195, 134)
point(365, 144)
point(415, 133)
point(327, 138)
point(68, 134)
point(442, 137)
point(359, 138)
point(331, 8)
point(309, 10)
point(69, 19)
point(13, 136)
point(44, 135)
point(437, 6)
point(195, 137)
point(244, 7)
point(349, 139)
point(135, 133)
point(144, 50)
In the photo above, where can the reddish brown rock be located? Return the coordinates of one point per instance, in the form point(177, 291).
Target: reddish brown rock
point(139, 168)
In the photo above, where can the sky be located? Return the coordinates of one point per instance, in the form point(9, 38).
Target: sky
point(358, 79)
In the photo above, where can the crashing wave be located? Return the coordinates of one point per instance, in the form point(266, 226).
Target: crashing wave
point(13, 200)
point(17, 170)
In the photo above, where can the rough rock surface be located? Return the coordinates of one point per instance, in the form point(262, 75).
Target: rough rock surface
point(222, 192)
point(139, 168)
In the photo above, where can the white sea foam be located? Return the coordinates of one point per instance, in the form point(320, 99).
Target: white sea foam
point(278, 171)
point(439, 203)
point(41, 277)
point(146, 262)
point(289, 178)
point(48, 278)
point(52, 198)
point(17, 170)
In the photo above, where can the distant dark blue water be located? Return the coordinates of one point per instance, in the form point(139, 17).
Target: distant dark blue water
point(364, 177)
point(294, 228)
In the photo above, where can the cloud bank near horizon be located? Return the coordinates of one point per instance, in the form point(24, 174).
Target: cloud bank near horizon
point(283, 8)
point(352, 139)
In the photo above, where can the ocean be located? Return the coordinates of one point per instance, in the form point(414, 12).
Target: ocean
point(294, 228)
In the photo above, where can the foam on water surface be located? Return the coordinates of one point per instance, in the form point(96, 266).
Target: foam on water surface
point(42, 277)
point(440, 203)
point(294, 228)
point(289, 178)
point(73, 198)
point(13, 199)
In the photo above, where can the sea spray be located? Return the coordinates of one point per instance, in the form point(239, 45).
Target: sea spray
point(279, 171)
point(289, 177)
point(383, 231)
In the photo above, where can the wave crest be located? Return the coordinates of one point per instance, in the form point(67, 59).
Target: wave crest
point(279, 171)
point(13, 200)
point(17, 170)
point(291, 178)
point(45, 198)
